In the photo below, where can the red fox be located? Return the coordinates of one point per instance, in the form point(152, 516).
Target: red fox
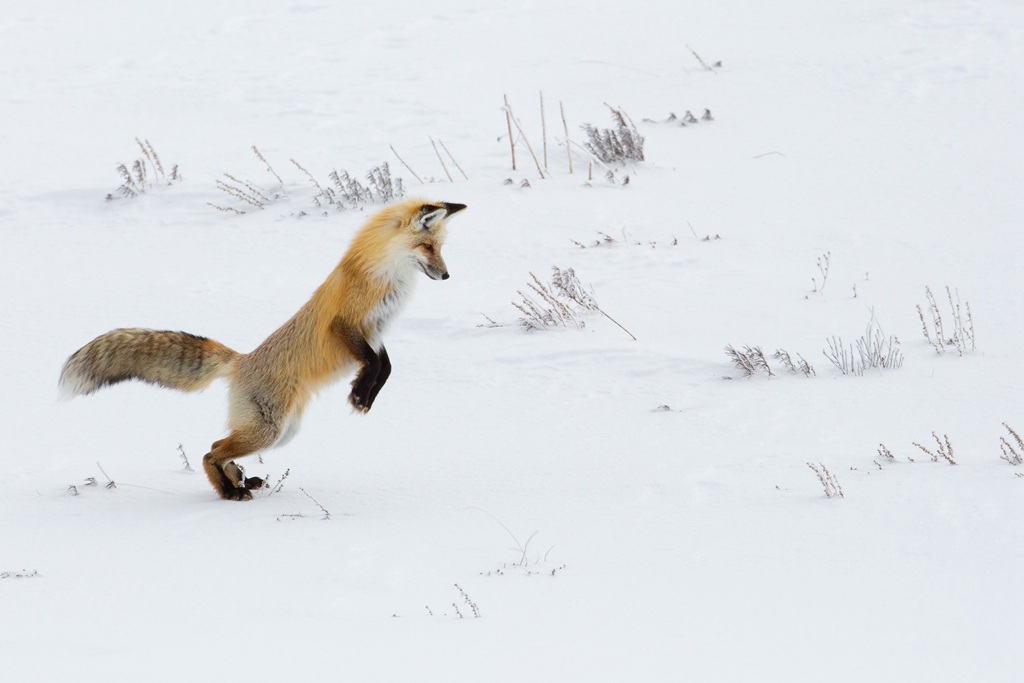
point(338, 328)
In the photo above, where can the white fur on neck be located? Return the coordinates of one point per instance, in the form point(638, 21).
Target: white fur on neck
point(401, 277)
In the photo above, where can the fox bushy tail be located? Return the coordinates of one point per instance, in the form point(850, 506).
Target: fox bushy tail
point(177, 360)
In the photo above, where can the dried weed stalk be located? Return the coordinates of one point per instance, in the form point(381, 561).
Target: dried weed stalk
point(327, 514)
point(1013, 453)
point(513, 121)
point(711, 68)
point(944, 451)
point(279, 485)
point(246, 194)
point(184, 458)
point(469, 603)
point(828, 481)
point(824, 261)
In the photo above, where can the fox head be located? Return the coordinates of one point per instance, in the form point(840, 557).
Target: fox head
point(428, 235)
point(402, 239)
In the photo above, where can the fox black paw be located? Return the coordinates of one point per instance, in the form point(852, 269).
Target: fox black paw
point(360, 403)
point(253, 483)
point(236, 494)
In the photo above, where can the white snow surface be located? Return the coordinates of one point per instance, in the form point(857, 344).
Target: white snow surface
point(531, 474)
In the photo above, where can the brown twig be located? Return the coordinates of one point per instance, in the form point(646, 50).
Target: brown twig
point(544, 130)
point(406, 165)
point(439, 158)
point(445, 148)
point(565, 125)
point(522, 134)
point(511, 138)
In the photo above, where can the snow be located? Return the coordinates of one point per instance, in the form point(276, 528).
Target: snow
point(598, 535)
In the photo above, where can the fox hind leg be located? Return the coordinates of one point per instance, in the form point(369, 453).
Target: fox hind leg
point(222, 471)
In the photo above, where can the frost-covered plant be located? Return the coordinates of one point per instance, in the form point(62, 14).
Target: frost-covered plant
point(872, 350)
point(133, 182)
point(800, 365)
point(143, 173)
point(347, 192)
point(343, 192)
point(751, 360)
point(92, 481)
point(620, 144)
point(543, 310)
point(961, 337)
point(559, 304)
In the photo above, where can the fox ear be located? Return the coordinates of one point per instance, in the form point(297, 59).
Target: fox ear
point(431, 218)
point(431, 214)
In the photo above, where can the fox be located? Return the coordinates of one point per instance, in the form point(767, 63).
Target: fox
point(338, 331)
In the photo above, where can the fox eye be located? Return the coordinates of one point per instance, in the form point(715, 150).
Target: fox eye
point(429, 248)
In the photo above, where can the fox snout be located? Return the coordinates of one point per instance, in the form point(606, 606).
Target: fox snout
point(435, 271)
point(428, 256)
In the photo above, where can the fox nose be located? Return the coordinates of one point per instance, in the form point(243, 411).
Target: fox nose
point(445, 276)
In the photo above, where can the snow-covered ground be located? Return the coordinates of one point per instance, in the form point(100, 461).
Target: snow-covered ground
point(559, 505)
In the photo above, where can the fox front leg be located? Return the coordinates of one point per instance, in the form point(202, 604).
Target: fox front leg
point(382, 376)
point(367, 384)
point(376, 366)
